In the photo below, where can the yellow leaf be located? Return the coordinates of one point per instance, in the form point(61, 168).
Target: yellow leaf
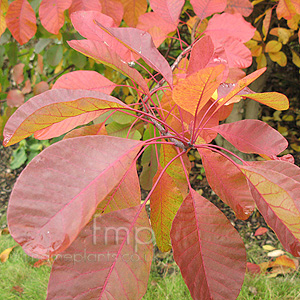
point(5, 254)
point(282, 129)
point(272, 99)
point(261, 61)
point(293, 22)
point(268, 248)
point(288, 118)
point(296, 59)
point(273, 46)
point(257, 2)
point(284, 260)
point(257, 36)
point(279, 57)
point(132, 10)
point(256, 51)
point(3, 10)
point(295, 147)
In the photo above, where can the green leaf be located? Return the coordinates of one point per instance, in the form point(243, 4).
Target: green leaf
point(54, 55)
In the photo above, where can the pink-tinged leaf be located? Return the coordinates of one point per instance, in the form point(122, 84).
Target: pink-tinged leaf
point(253, 268)
point(205, 8)
point(238, 55)
point(225, 88)
point(15, 98)
point(275, 100)
point(208, 250)
point(56, 112)
point(95, 129)
point(164, 204)
point(17, 73)
point(193, 92)
point(250, 136)
point(52, 14)
point(158, 28)
point(68, 178)
point(169, 10)
point(140, 42)
point(27, 87)
point(113, 9)
point(41, 87)
point(132, 10)
point(277, 197)
point(3, 10)
point(224, 25)
point(85, 80)
point(244, 7)
point(106, 55)
point(21, 21)
point(126, 193)
point(85, 5)
point(261, 231)
point(115, 253)
point(228, 182)
point(202, 52)
point(84, 23)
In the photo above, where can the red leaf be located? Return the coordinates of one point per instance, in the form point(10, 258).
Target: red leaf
point(56, 112)
point(205, 8)
point(27, 87)
point(249, 136)
point(95, 129)
point(106, 55)
point(20, 20)
point(110, 259)
point(277, 197)
point(169, 10)
point(253, 268)
point(85, 80)
point(68, 178)
point(260, 231)
point(140, 42)
point(15, 98)
point(208, 250)
point(244, 7)
point(114, 9)
point(228, 182)
point(52, 14)
point(201, 54)
point(86, 5)
point(17, 73)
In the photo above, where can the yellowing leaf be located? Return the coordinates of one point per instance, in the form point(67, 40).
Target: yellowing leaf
point(5, 254)
point(132, 10)
point(293, 22)
point(273, 46)
point(261, 61)
point(3, 10)
point(257, 36)
point(266, 22)
point(296, 59)
point(279, 57)
point(193, 92)
point(268, 248)
point(295, 147)
point(283, 34)
point(284, 260)
point(272, 99)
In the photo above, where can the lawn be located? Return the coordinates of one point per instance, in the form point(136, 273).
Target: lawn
point(20, 279)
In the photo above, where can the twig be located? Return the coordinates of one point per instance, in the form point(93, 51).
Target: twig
point(58, 74)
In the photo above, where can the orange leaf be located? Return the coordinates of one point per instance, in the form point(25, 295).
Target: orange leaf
point(266, 22)
point(52, 14)
point(3, 10)
point(5, 254)
point(17, 73)
point(40, 87)
point(15, 98)
point(285, 9)
point(132, 10)
point(284, 260)
point(114, 9)
point(193, 92)
point(260, 231)
point(20, 20)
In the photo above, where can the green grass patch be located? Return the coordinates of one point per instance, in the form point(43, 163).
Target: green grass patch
point(21, 280)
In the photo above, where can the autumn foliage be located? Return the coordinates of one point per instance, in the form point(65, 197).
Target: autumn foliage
point(80, 199)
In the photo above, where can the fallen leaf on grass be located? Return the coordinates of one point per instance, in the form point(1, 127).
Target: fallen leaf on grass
point(268, 248)
point(260, 231)
point(253, 268)
point(18, 289)
point(5, 254)
point(276, 253)
point(4, 231)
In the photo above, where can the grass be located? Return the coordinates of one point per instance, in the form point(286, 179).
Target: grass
point(21, 280)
